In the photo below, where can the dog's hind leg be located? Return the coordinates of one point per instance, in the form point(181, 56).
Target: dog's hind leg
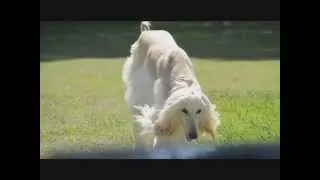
point(136, 59)
point(139, 93)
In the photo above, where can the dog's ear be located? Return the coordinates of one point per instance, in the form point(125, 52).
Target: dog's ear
point(166, 124)
point(208, 127)
point(210, 122)
point(163, 129)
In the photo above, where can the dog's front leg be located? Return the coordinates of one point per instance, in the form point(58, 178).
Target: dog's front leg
point(161, 142)
point(169, 141)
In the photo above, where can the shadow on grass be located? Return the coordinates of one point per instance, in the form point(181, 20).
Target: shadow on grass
point(208, 40)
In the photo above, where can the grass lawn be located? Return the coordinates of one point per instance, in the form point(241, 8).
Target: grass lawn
point(82, 101)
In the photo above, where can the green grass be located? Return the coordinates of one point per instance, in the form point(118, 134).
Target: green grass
point(82, 102)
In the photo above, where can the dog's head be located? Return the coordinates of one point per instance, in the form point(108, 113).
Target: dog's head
point(191, 110)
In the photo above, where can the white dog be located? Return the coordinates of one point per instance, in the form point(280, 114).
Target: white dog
point(163, 93)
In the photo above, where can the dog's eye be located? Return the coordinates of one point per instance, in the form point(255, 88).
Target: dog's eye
point(184, 111)
point(199, 111)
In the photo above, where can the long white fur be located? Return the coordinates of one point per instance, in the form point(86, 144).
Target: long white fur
point(160, 81)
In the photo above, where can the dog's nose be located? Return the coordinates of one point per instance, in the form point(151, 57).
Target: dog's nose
point(192, 135)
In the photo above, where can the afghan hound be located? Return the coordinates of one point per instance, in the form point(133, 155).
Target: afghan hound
point(163, 94)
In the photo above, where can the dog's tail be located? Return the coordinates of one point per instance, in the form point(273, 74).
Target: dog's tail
point(145, 120)
point(145, 26)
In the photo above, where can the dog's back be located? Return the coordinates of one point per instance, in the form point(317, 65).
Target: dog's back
point(150, 37)
point(148, 41)
point(156, 37)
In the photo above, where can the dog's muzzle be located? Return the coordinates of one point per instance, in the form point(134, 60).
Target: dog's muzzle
point(191, 132)
point(192, 135)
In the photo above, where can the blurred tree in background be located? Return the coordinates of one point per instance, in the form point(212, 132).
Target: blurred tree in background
point(248, 40)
